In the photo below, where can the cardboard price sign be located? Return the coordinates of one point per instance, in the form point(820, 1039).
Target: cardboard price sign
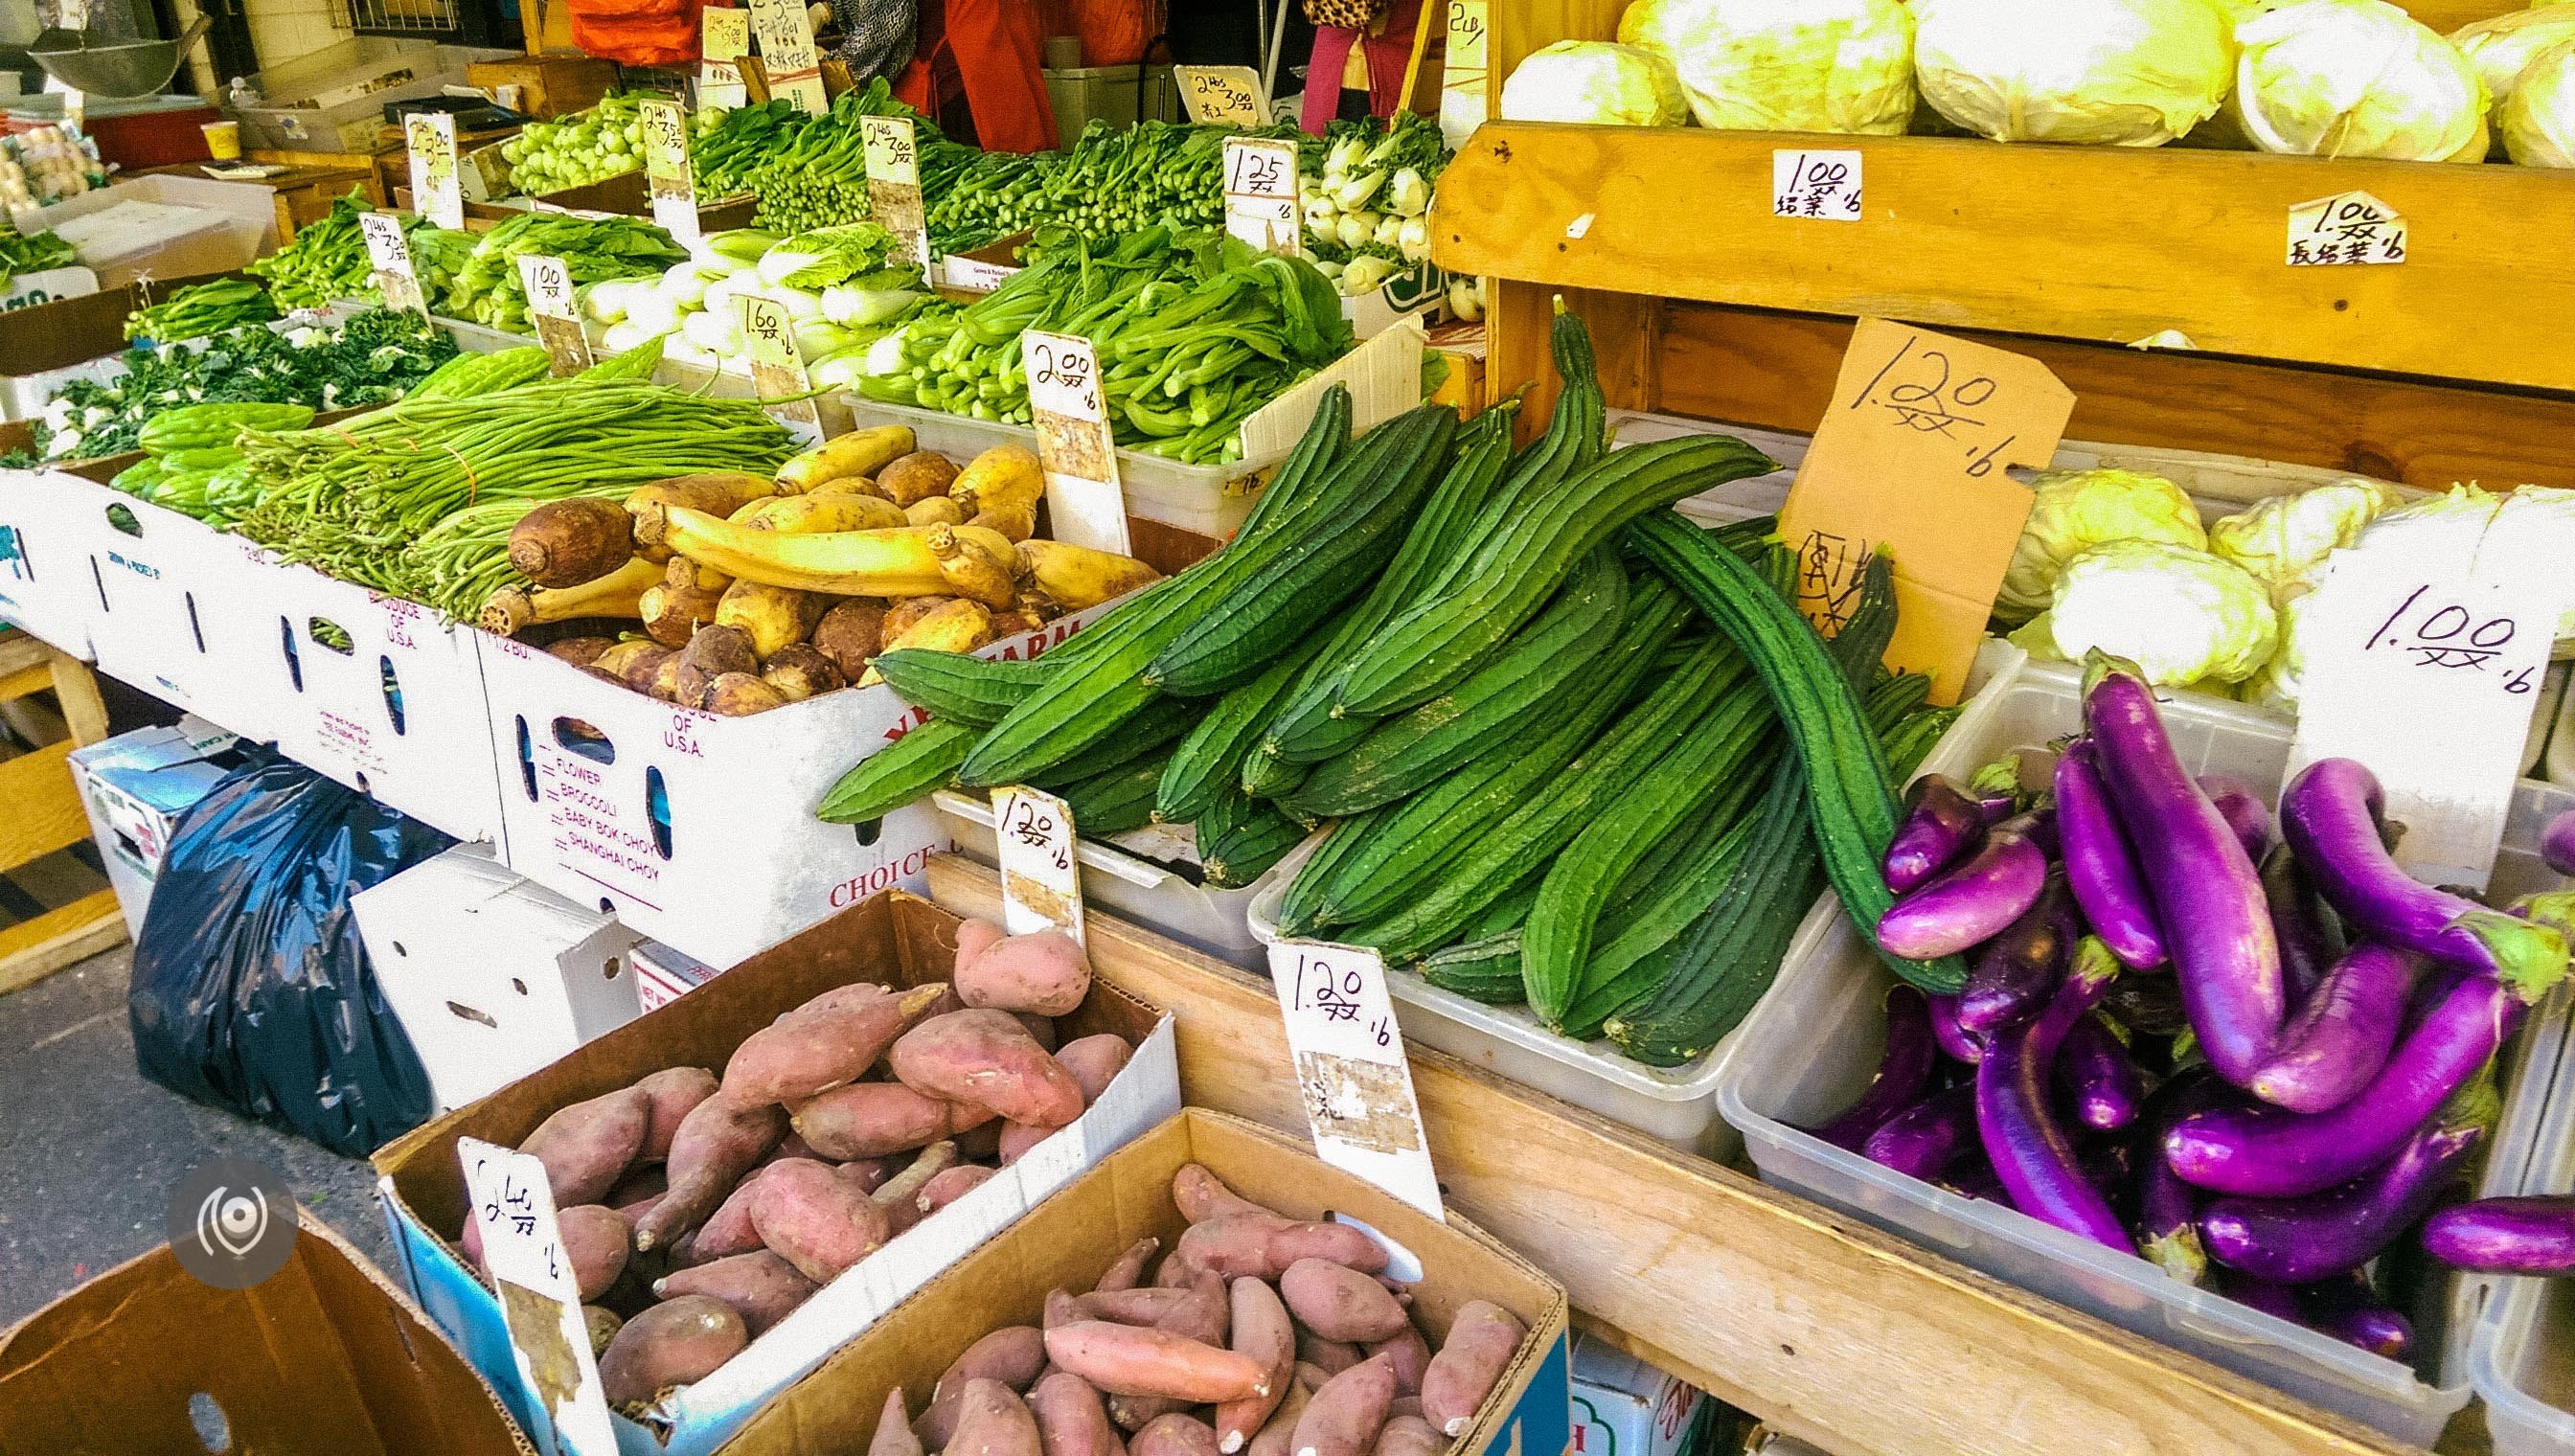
point(893, 182)
point(1079, 455)
point(390, 259)
point(1222, 95)
point(1351, 1069)
point(667, 173)
point(549, 306)
point(1911, 457)
point(1261, 195)
point(724, 33)
point(539, 1300)
point(778, 366)
point(786, 35)
point(1040, 887)
point(1464, 74)
point(436, 192)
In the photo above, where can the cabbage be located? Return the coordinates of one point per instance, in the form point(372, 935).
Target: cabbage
point(2181, 616)
point(2130, 73)
point(2077, 509)
point(2356, 78)
point(2503, 47)
point(2441, 513)
point(2276, 685)
point(1784, 64)
point(2538, 121)
point(1598, 83)
point(2279, 539)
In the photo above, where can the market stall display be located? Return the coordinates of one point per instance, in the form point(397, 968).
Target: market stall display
point(571, 151)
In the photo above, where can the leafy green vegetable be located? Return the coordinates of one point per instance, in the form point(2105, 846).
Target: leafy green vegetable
point(32, 253)
point(207, 307)
point(486, 287)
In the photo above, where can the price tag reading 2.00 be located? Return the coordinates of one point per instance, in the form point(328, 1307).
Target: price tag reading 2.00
point(1261, 202)
point(1350, 1069)
point(1079, 455)
point(893, 182)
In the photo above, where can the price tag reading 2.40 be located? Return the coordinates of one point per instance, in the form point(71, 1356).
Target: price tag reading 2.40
point(1465, 76)
point(666, 167)
point(389, 259)
point(1222, 95)
point(549, 306)
point(778, 366)
point(1084, 499)
point(1261, 202)
point(436, 193)
point(514, 1209)
point(1040, 887)
point(1350, 1069)
point(893, 182)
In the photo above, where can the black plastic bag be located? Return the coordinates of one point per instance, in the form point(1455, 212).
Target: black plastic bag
point(251, 990)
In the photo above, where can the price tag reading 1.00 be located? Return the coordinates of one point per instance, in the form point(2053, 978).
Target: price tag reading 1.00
point(1819, 185)
point(436, 192)
point(389, 260)
point(667, 173)
point(549, 306)
point(514, 1208)
point(2344, 229)
point(1260, 201)
point(1040, 887)
point(778, 366)
point(1350, 1069)
point(1222, 95)
point(1084, 499)
point(893, 182)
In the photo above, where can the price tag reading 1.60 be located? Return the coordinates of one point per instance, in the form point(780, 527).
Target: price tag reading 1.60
point(778, 366)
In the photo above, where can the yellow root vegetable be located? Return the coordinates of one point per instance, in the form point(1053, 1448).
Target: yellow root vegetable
point(917, 476)
point(935, 511)
point(954, 626)
point(684, 574)
point(859, 452)
point(513, 610)
point(1015, 523)
point(717, 494)
point(911, 560)
point(1003, 478)
point(816, 514)
point(1079, 577)
point(673, 615)
point(773, 616)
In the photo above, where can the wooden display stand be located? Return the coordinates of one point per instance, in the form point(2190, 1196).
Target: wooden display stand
point(44, 814)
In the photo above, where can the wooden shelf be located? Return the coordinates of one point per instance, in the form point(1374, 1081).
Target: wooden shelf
point(1825, 1328)
point(2100, 244)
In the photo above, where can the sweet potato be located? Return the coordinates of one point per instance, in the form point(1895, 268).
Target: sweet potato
point(980, 1142)
point(1124, 1360)
point(1236, 1245)
point(1337, 1242)
point(1011, 1356)
point(587, 1146)
point(1330, 1356)
point(874, 1120)
point(1313, 1376)
point(986, 1057)
point(1095, 1061)
point(1071, 1420)
point(820, 1222)
point(1201, 1195)
point(974, 937)
point(1204, 1315)
point(1341, 1303)
point(717, 1143)
point(676, 1091)
point(1040, 1030)
point(1409, 1355)
point(868, 1173)
point(1408, 1436)
point(950, 1185)
point(1061, 1308)
point(1345, 1415)
point(991, 1420)
point(1128, 1271)
point(672, 1344)
point(1480, 1344)
point(603, 1325)
point(1174, 1435)
point(597, 1242)
point(1405, 1405)
point(727, 1231)
point(903, 1188)
point(821, 1045)
point(1132, 1413)
point(1133, 1306)
point(1274, 1434)
point(1262, 1332)
point(1018, 1138)
point(643, 1184)
point(894, 1435)
point(761, 1286)
point(850, 634)
point(1042, 972)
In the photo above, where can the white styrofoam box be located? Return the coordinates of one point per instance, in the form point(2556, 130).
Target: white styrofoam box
point(1816, 1040)
point(1623, 1406)
point(134, 786)
point(46, 587)
point(493, 976)
point(27, 290)
point(177, 618)
point(662, 975)
point(699, 830)
point(24, 396)
point(239, 224)
point(1131, 875)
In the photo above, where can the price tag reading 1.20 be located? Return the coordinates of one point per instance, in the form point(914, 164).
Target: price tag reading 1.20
point(1079, 455)
point(1261, 202)
point(666, 167)
point(436, 192)
point(549, 306)
point(1819, 185)
point(389, 259)
point(1222, 95)
point(1040, 887)
point(778, 366)
point(1351, 1069)
point(893, 182)
point(514, 1209)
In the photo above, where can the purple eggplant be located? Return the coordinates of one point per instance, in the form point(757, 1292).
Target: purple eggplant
point(1903, 1074)
point(1971, 901)
point(1961, 1043)
point(1927, 1138)
point(2243, 813)
point(2309, 932)
point(2167, 1207)
point(2030, 1153)
point(2341, 1036)
point(2557, 843)
point(2272, 1152)
point(2329, 815)
point(1996, 789)
point(1974, 1178)
point(2301, 1240)
point(2016, 972)
point(2099, 864)
point(2351, 1311)
point(2276, 1300)
point(2103, 1088)
point(2208, 896)
point(1941, 827)
point(2148, 1005)
point(2534, 1234)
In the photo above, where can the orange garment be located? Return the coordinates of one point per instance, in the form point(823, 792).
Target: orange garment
point(1387, 51)
point(990, 49)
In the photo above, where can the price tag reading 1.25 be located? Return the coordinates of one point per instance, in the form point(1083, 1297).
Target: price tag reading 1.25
point(1819, 185)
point(1350, 1069)
point(436, 192)
point(893, 182)
point(778, 366)
point(514, 1209)
point(1040, 887)
point(666, 167)
point(1079, 455)
point(1222, 95)
point(389, 260)
point(551, 308)
point(1261, 202)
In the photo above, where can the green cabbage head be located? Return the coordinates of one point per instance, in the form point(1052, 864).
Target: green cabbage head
point(2076, 510)
point(2281, 538)
point(2356, 78)
point(2130, 73)
point(1785, 65)
point(2538, 119)
point(2184, 615)
point(1595, 82)
point(2501, 47)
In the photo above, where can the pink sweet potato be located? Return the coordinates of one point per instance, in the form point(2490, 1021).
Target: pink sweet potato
point(1202, 1195)
point(717, 1142)
point(1071, 1420)
point(988, 1058)
point(1262, 1332)
point(894, 1435)
point(597, 1242)
point(1341, 1303)
point(991, 1420)
point(1043, 973)
point(761, 1287)
point(1274, 1434)
point(674, 1343)
point(727, 1231)
point(1124, 1360)
point(1133, 1306)
point(1061, 1308)
point(1011, 1356)
point(675, 1092)
point(974, 937)
point(1095, 1061)
point(1337, 1242)
point(1411, 1356)
point(1132, 1413)
point(901, 1195)
point(821, 1044)
point(1408, 1436)
point(1405, 1405)
point(873, 1119)
point(1206, 1315)
point(1128, 1271)
point(868, 1173)
point(1175, 1434)
point(588, 1147)
point(818, 1220)
point(1330, 1356)
point(950, 1185)
point(1345, 1415)
point(1236, 1245)
point(1480, 1344)
point(642, 1184)
point(1018, 1138)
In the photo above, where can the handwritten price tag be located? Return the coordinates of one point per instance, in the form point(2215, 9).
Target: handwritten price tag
point(778, 366)
point(2448, 624)
point(1819, 185)
point(436, 193)
point(1261, 202)
point(1079, 455)
point(2344, 229)
point(1040, 887)
point(1222, 95)
point(893, 182)
point(549, 306)
point(786, 35)
point(539, 1300)
point(724, 33)
point(390, 259)
point(1465, 74)
point(667, 174)
point(1350, 1069)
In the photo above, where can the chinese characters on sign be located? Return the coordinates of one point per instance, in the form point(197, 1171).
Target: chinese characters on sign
point(1819, 185)
point(390, 259)
point(893, 182)
point(776, 366)
point(1084, 497)
point(1261, 204)
point(540, 1298)
point(1222, 95)
point(1350, 1068)
point(723, 38)
point(549, 286)
point(1040, 887)
point(2347, 228)
point(435, 194)
point(786, 34)
point(666, 167)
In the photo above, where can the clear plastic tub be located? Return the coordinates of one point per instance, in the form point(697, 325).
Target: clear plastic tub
point(2518, 1359)
point(1813, 1043)
point(2557, 763)
point(2548, 745)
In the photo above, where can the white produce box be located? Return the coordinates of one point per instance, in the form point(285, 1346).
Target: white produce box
point(134, 788)
point(46, 586)
point(179, 615)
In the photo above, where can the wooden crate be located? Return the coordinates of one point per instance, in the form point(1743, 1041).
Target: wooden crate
point(45, 814)
point(1825, 1328)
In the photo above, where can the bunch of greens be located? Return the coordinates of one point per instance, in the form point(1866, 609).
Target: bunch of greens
point(731, 143)
point(486, 288)
point(372, 358)
point(1195, 330)
point(995, 196)
point(1368, 206)
point(819, 178)
point(32, 253)
point(194, 313)
point(327, 262)
point(549, 156)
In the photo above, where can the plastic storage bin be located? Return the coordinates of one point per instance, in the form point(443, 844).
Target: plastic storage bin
point(1815, 1041)
point(1082, 95)
point(2517, 1359)
point(1122, 878)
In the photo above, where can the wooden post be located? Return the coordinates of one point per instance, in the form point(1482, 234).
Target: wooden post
point(45, 815)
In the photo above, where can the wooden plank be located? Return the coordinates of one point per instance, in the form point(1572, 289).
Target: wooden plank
point(1626, 341)
point(76, 690)
point(19, 652)
point(1773, 370)
point(44, 809)
point(33, 949)
point(29, 680)
point(2104, 244)
point(1870, 1346)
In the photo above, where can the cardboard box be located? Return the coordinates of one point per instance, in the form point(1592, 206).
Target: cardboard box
point(493, 976)
point(134, 788)
point(1068, 1241)
point(45, 286)
point(1420, 292)
point(1625, 1407)
point(179, 615)
point(245, 228)
point(549, 85)
point(324, 1358)
point(662, 975)
point(888, 937)
point(46, 585)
